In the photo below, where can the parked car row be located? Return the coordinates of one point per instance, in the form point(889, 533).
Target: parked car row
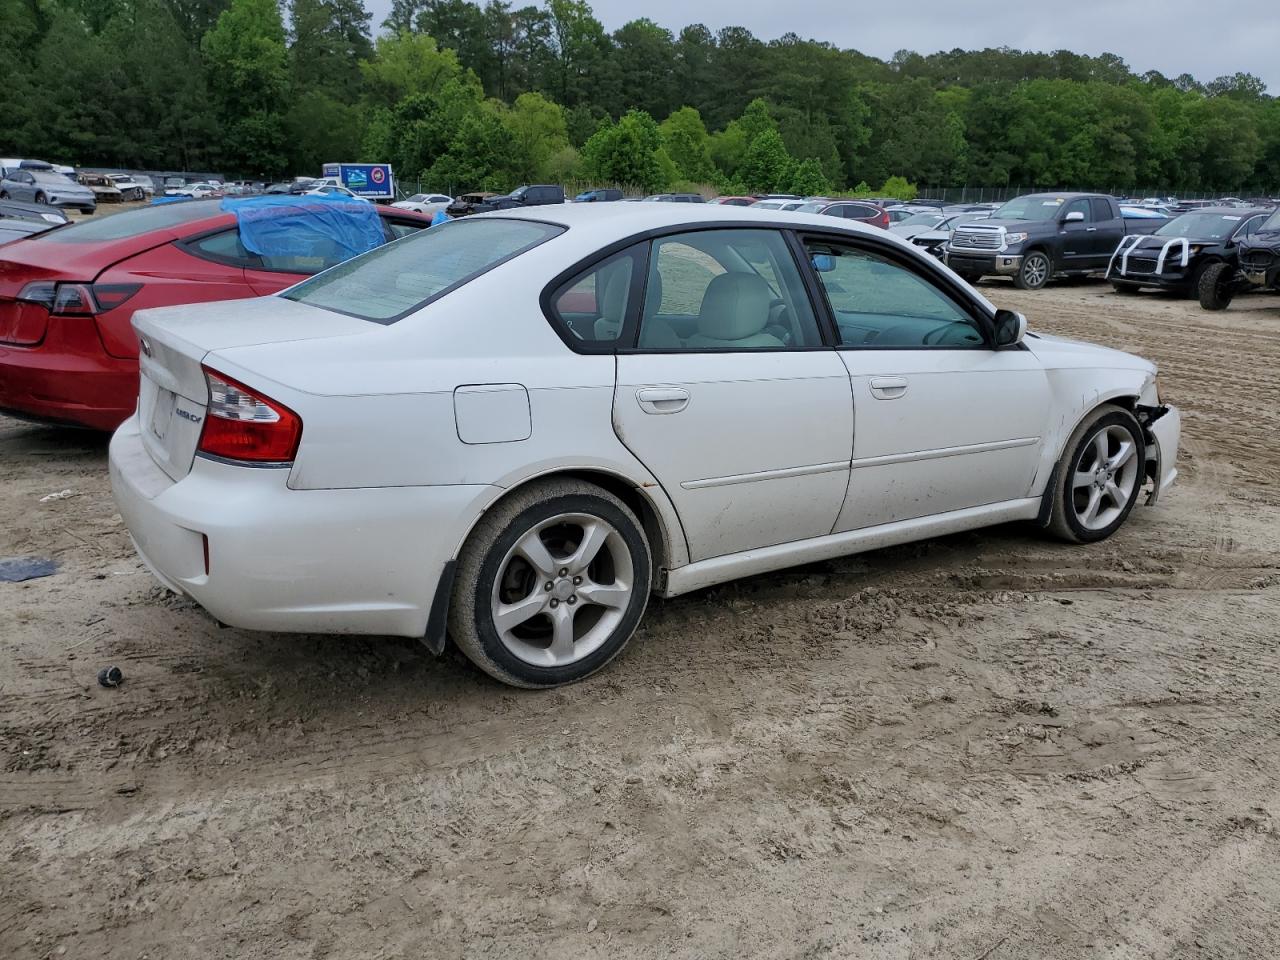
point(36, 181)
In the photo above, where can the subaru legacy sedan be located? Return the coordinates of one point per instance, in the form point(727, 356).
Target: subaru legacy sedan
point(511, 429)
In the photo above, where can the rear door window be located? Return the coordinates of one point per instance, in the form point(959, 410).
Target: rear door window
point(1101, 208)
point(387, 284)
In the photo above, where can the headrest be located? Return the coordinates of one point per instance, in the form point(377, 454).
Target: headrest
point(735, 306)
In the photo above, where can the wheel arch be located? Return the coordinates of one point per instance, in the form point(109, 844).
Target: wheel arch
point(1125, 399)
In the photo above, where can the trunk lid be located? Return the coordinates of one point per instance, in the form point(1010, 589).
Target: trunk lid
point(173, 396)
point(43, 258)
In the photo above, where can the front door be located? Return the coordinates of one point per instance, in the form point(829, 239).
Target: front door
point(942, 421)
point(729, 397)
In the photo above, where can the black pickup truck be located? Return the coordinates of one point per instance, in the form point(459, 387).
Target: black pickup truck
point(1041, 236)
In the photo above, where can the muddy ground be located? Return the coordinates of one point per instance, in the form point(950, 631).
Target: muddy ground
point(984, 746)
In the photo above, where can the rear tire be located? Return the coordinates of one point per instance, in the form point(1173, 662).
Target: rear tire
point(1214, 288)
point(1099, 477)
point(1035, 271)
point(551, 584)
point(40, 198)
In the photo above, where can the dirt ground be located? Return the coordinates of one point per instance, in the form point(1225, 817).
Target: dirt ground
point(984, 746)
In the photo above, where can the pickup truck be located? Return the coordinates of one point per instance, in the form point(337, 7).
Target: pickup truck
point(1040, 236)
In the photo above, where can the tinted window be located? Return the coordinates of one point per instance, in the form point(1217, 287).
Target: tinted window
point(1101, 208)
point(401, 228)
point(1200, 226)
point(725, 290)
point(136, 222)
point(877, 303)
point(592, 307)
point(1034, 207)
point(224, 246)
point(860, 211)
point(1078, 206)
point(386, 284)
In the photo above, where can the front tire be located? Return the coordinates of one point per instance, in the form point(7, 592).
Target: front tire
point(551, 584)
point(1099, 476)
point(40, 198)
point(1124, 289)
point(1214, 290)
point(1034, 272)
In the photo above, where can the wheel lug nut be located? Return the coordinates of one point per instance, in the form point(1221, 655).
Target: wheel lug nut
point(576, 581)
point(554, 603)
point(549, 587)
point(572, 600)
point(564, 571)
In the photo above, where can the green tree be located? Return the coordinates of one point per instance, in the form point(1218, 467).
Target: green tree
point(248, 77)
point(538, 133)
point(809, 180)
point(767, 167)
point(482, 156)
point(687, 144)
point(626, 152)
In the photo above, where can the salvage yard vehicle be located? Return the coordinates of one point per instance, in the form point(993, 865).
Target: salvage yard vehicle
point(514, 427)
point(1177, 255)
point(1257, 266)
point(858, 210)
point(18, 210)
point(425, 203)
point(933, 240)
point(67, 351)
point(104, 190)
point(44, 185)
point(130, 187)
point(1040, 236)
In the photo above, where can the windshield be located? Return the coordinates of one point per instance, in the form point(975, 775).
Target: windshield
point(135, 222)
point(816, 207)
point(48, 176)
point(393, 281)
point(1029, 208)
point(921, 219)
point(1201, 226)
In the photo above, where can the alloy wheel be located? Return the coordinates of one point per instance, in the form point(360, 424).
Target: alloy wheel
point(562, 590)
point(1105, 477)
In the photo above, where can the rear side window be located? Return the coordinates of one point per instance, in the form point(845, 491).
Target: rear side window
point(1101, 208)
point(134, 223)
point(387, 284)
point(591, 309)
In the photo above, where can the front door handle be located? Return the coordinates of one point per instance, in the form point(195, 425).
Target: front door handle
point(1091, 229)
point(888, 388)
point(660, 400)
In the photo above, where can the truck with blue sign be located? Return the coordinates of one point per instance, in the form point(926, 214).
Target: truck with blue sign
point(373, 181)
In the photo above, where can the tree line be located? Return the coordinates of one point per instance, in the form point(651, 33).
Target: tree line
point(464, 95)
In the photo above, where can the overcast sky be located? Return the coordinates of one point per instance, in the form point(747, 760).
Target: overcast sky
point(1202, 38)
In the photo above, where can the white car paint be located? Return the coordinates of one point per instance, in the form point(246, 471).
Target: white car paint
point(427, 203)
point(749, 461)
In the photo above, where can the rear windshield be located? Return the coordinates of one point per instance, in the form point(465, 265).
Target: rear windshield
point(133, 223)
point(391, 282)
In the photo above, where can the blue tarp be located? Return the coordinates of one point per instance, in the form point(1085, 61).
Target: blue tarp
point(306, 225)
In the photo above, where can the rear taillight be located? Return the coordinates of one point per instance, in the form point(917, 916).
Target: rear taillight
point(77, 299)
point(242, 424)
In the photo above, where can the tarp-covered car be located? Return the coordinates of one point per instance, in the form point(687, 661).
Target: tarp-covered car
point(67, 351)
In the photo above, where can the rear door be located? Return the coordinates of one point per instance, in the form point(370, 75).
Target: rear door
point(1108, 231)
point(729, 396)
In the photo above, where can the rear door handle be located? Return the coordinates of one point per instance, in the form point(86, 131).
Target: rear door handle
point(888, 388)
point(1091, 229)
point(659, 400)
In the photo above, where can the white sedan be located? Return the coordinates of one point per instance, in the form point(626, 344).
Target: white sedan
point(511, 429)
point(428, 203)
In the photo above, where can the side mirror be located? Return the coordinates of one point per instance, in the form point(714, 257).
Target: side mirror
point(1075, 216)
point(1010, 328)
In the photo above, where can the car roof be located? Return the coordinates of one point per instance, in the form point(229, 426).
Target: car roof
point(1241, 212)
point(592, 227)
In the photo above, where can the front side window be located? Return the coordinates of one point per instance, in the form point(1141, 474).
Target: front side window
point(388, 283)
point(1078, 206)
point(879, 304)
point(725, 290)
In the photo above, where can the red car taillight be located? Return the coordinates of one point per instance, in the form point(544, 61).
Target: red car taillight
point(242, 424)
point(77, 299)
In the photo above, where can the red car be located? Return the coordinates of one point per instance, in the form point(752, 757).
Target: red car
point(67, 351)
point(860, 210)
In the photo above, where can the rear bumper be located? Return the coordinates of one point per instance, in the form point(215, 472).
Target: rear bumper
point(360, 561)
point(68, 378)
point(986, 264)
